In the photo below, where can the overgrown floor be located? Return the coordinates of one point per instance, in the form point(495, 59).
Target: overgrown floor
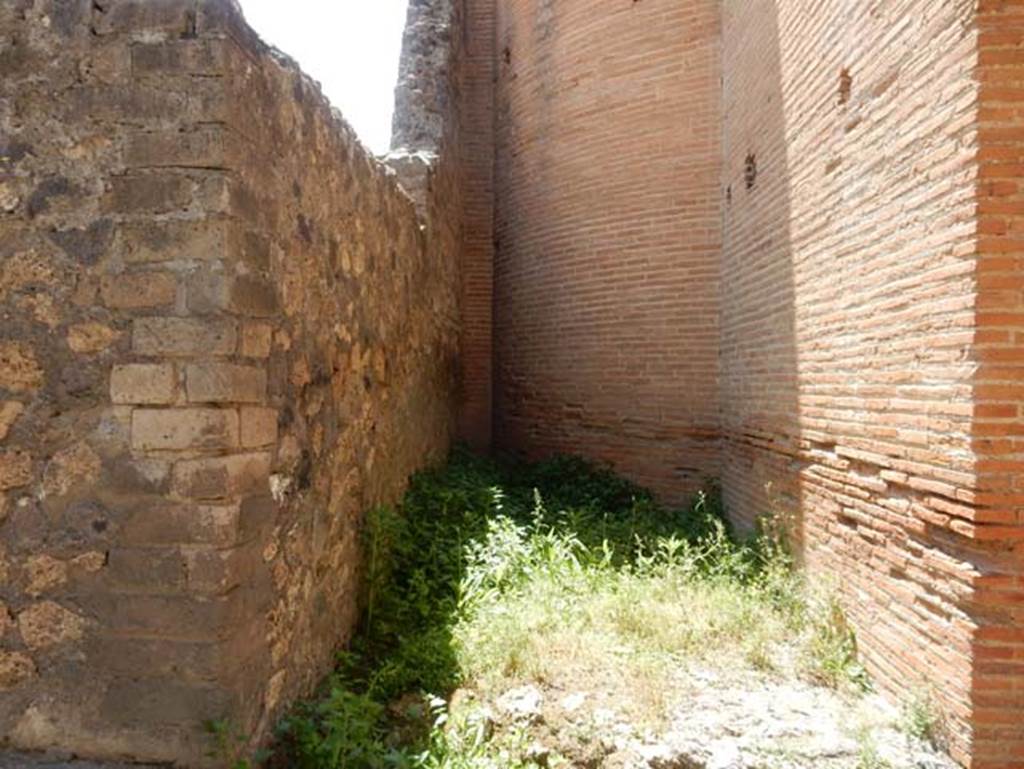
point(554, 615)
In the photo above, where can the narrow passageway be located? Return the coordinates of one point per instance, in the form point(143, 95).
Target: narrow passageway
point(555, 615)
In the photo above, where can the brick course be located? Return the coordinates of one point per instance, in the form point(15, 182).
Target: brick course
point(608, 220)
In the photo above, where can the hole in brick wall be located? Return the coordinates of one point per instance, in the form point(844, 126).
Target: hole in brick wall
point(845, 85)
point(728, 194)
point(506, 54)
point(750, 170)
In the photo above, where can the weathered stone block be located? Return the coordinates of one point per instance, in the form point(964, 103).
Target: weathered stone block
point(9, 413)
point(166, 522)
point(149, 193)
point(195, 149)
point(76, 466)
point(190, 57)
point(158, 241)
point(159, 569)
point(258, 426)
point(15, 669)
point(15, 469)
point(183, 337)
point(85, 245)
point(225, 383)
point(124, 102)
point(180, 429)
point(143, 383)
point(19, 370)
point(213, 290)
point(248, 295)
point(138, 290)
point(44, 573)
point(221, 477)
point(256, 340)
point(90, 337)
point(146, 18)
point(47, 624)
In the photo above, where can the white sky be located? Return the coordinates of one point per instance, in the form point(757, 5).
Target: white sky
point(351, 46)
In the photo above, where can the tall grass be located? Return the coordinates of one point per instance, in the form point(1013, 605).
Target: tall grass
point(557, 573)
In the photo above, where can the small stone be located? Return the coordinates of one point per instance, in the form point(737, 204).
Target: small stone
point(90, 337)
point(44, 573)
point(9, 413)
point(90, 562)
point(69, 468)
point(523, 703)
point(15, 469)
point(143, 383)
point(9, 200)
point(15, 669)
point(19, 370)
point(47, 624)
point(572, 702)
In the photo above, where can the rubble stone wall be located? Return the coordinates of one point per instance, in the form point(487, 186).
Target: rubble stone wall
point(226, 333)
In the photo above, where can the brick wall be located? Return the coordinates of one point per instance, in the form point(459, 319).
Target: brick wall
point(607, 234)
point(226, 333)
point(997, 524)
point(867, 332)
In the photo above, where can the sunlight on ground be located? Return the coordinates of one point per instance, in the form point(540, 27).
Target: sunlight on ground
point(351, 46)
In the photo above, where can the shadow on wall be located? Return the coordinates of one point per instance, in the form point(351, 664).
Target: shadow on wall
point(759, 384)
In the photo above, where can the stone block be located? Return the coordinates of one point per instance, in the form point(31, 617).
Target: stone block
point(176, 149)
point(258, 426)
point(183, 337)
point(122, 102)
point(90, 337)
point(256, 340)
point(143, 383)
point(221, 477)
point(47, 624)
point(155, 569)
point(187, 57)
point(212, 290)
point(146, 19)
point(19, 370)
point(159, 241)
point(249, 295)
point(163, 522)
point(15, 469)
point(9, 413)
point(181, 429)
point(15, 669)
point(139, 290)
point(225, 383)
point(149, 193)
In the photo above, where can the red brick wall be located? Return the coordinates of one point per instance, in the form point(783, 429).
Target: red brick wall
point(998, 504)
point(477, 265)
point(607, 234)
point(868, 350)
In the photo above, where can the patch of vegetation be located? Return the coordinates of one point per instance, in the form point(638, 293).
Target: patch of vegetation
point(921, 720)
point(491, 576)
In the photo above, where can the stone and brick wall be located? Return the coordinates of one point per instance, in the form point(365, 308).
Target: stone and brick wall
point(444, 99)
point(608, 219)
point(225, 334)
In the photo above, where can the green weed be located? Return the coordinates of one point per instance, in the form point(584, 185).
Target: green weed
point(490, 576)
